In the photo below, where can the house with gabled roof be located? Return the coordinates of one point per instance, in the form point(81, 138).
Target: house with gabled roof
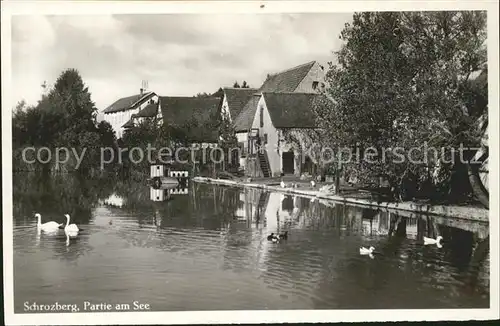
point(150, 112)
point(193, 115)
point(303, 79)
point(278, 113)
point(233, 103)
point(243, 123)
point(234, 99)
point(119, 114)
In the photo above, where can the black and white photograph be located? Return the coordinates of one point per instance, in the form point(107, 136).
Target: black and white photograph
point(249, 162)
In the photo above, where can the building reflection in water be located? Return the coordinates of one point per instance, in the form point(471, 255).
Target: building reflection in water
point(165, 193)
point(276, 211)
point(237, 222)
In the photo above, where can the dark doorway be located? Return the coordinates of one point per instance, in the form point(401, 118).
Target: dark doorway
point(307, 166)
point(288, 162)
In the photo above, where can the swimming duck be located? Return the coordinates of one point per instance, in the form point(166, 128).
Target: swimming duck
point(273, 237)
point(431, 241)
point(283, 236)
point(366, 251)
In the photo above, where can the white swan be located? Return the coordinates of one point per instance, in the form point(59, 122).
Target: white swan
point(431, 241)
point(47, 227)
point(366, 251)
point(38, 236)
point(69, 228)
point(70, 234)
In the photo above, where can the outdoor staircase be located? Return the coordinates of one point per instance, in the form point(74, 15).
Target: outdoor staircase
point(264, 165)
point(263, 200)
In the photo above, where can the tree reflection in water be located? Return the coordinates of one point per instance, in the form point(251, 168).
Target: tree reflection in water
point(224, 229)
point(55, 195)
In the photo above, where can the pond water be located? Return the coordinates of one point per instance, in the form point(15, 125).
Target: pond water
point(206, 248)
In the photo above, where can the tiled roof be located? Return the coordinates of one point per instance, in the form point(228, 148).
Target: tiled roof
point(291, 110)
point(127, 103)
point(288, 80)
point(237, 98)
point(194, 114)
point(129, 124)
point(149, 111)
point(244, 121)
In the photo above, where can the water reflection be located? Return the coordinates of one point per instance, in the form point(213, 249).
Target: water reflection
point(166, 192)
point(136, 241)
point(114, 200)
point(54, 196)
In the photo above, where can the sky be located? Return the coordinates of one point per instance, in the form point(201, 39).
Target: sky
point(178, 54)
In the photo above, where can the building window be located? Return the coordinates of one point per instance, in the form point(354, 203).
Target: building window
point(265, 139)
point(315, 84)
point(261, 117)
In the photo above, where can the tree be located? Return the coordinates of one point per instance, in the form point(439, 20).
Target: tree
point(227, 140)
point(65, 116)
point(243, 85)
point(403, 80)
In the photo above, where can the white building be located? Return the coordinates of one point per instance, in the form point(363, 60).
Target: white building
point(233, 103)
point(121, 112)
point(283, 102)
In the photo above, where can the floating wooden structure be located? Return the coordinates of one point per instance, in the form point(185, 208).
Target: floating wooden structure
point(165, 182)
point(162, 176)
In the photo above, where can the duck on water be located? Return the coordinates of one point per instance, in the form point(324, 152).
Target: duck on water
point(430, 241)
point(366, 251)
point(283, 236)
point(277, 237)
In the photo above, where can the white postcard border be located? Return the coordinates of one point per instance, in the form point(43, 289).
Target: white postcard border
point(206, 317)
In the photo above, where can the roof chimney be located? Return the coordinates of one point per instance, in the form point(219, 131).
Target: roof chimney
point(144, 86)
